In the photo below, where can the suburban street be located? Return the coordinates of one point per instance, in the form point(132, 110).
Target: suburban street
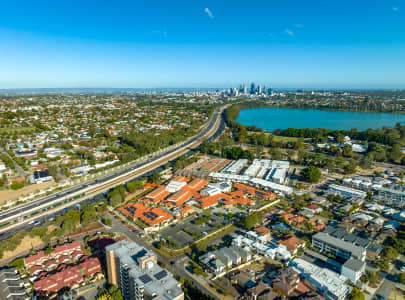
point(20, 171)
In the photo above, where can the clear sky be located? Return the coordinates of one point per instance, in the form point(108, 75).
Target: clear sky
point(193, 43)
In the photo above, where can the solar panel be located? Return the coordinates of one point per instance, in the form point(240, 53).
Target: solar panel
point(160, 275)
point(145, 279)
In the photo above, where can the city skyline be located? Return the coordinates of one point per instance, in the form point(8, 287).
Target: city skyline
point(206, 44)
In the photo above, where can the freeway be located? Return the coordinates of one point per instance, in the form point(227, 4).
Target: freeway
point(22, 214)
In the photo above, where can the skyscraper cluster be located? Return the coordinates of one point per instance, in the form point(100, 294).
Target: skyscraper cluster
point(252, 90)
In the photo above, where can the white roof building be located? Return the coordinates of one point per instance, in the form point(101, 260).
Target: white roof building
point(175, 186)
point(329, 283)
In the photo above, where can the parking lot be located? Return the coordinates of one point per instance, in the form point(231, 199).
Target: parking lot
point(185, 232)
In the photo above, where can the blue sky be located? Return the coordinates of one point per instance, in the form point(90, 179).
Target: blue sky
point(284, 44)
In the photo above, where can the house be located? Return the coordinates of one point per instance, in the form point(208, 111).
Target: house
point(41, 176)
point(27, 154)
point(212, 264)
point(292, 243)
point(313, 208)
point(58, 252)
point(243, 253)
point(90, 267)
point(263, 231)
point(229, 256)
point(286, 282)
point(70, 277)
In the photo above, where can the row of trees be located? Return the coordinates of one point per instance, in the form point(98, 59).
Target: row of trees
point(118, 194)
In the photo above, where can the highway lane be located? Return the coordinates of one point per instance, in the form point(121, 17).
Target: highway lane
point(194, 143)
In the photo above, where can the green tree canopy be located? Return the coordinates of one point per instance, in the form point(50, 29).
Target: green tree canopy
point(311, 174)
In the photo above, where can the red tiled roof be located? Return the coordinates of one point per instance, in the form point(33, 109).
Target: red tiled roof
point(90, 266)
point(63, 258)
point(180, 197)
point(150, 216)
point(133, 210)
point(292, 243)
point(186, 209)
point(50, 263)
point(32, 259)
point(149, 185)
point(158, 194)
point(197, 184)
point(211, 200)
point(261, 230)
point(155, 216)
point(35, 269)
point(312, 206)
point(77, 254)
point(67, 247)
point(57, 281)
point(181, 178)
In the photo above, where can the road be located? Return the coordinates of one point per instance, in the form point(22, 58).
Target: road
point(389, 281)
point(21, 172)
point(96, 188)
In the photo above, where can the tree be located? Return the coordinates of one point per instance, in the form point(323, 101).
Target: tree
point(365, 163)
point(372, 278)
point(390, 253)
point(134, 186)
point(402, 278)
point(309, 226)
point(350, 168)
point(87, 217)
point(347, 151)
point(17, 263)
point(17, 185)
point(250, 221)
point(383, 264)
point(202, 247)
point(115, 199)
point(108, 221)
point(155, 178)
point(356, 294)
point(311, 174)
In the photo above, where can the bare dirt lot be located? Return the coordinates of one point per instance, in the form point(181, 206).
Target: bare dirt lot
point(10, 195)
point(26, 244)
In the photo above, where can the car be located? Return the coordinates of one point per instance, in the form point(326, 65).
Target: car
point(402, 269)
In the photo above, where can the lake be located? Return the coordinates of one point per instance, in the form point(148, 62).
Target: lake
point(269, 118)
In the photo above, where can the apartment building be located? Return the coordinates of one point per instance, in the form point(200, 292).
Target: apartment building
point(135, 270)
point(338, 247)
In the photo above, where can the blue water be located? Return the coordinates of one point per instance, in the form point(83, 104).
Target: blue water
point(271, 119)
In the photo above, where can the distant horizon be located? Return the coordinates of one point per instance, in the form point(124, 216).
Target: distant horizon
point(151, 44)
point(178, 89)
